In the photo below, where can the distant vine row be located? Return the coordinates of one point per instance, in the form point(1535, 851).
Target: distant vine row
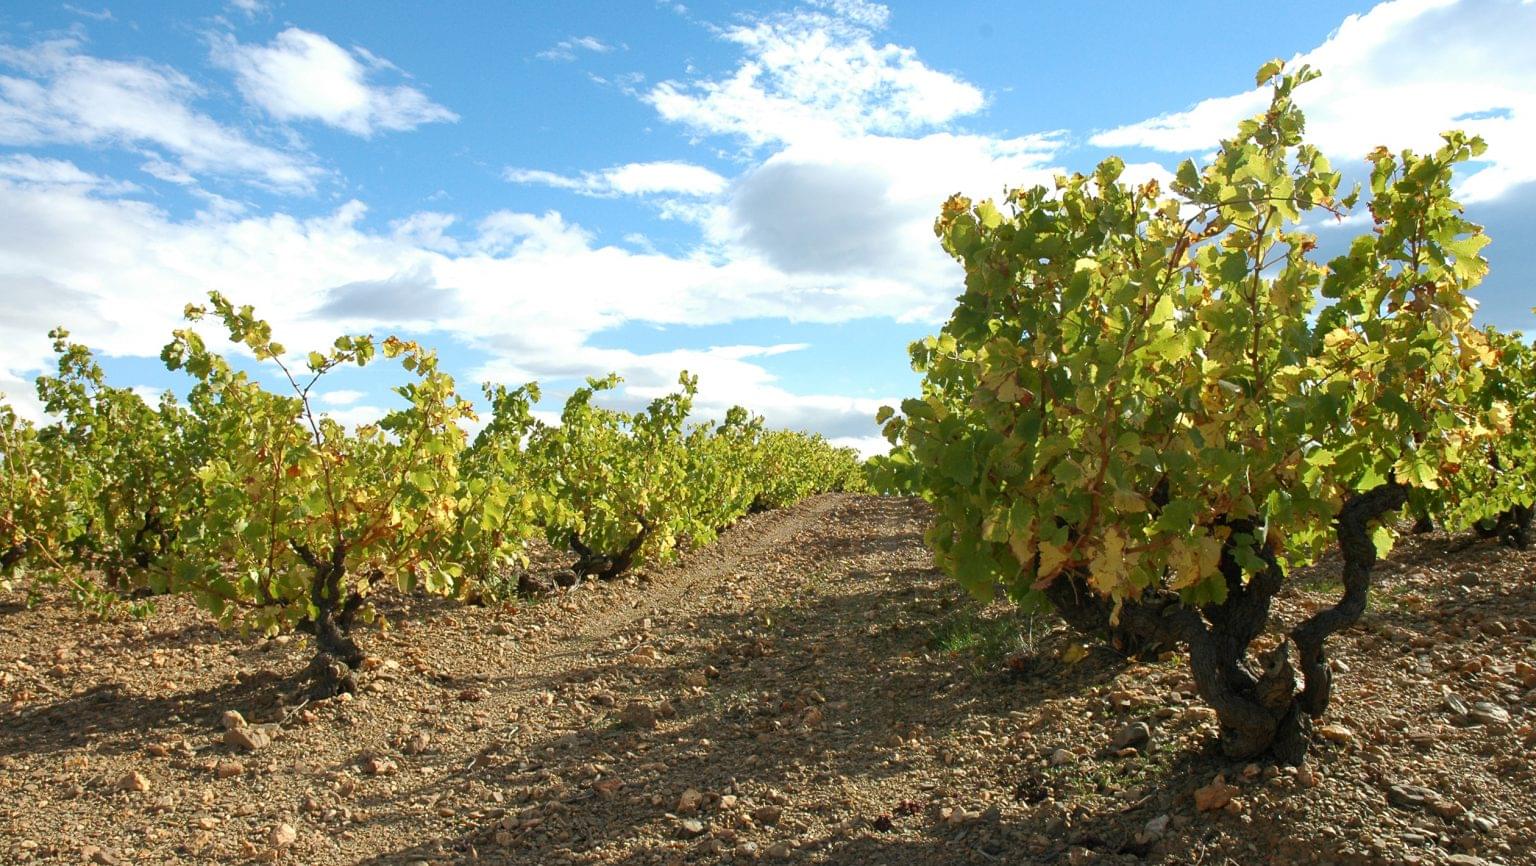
point(275, 517)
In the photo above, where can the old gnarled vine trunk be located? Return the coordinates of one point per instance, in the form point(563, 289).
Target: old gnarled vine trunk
point(1512, 527)
point(1259, 706)
point(606, 567)
point(12, 555)
point(337, 654)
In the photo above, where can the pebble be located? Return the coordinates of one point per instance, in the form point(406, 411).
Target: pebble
point(1214, 796)
point(1134, 734)
point(1062, 757)
point(1420, 797)
point(1526, 674)
point(1489, 714)
point(228, 769)
point(133, 781)
point(99, 855)
point(1456, 705)
point(644, 656)
point(1199, 714)
point(638, 715)
point(690, 801)
point(1154, 829)
point(1336, 733)
point(691, 828)
point(249, 739)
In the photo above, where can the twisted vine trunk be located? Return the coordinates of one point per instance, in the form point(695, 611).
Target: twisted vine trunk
point(337, 653)
point(1256, 700)
point(1512, 527)
point(604, 566)
point(12, 555)
point(1520, 530)
point(1359, 553)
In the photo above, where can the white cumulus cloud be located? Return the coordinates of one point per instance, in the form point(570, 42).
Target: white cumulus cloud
point(1397, 75)
point(341, 397)
point(816, 75)
point(526, 291)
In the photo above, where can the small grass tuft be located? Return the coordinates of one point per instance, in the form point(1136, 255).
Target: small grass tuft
point(984, 639)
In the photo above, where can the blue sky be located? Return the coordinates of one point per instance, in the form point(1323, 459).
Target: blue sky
point(547, 191)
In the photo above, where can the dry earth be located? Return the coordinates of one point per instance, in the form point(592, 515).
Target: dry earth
point(806, 690)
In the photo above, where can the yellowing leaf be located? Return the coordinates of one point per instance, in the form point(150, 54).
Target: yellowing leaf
point(1269, 70)
point(1052, 558)
point(1382, 538)
point(1500, 417)
point(1108, 568)
point(1193, 561)
point(1074, 653)
point(1338, 338)
point(1023, 545)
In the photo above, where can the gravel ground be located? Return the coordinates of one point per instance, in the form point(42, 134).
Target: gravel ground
point(806, 690)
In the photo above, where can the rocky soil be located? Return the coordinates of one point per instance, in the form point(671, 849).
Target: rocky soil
point(806, 690)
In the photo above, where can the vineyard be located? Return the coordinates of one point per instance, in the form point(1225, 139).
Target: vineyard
point(1193, 547)
point(275, 518)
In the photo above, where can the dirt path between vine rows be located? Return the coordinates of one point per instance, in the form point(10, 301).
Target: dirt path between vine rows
point(805, 690)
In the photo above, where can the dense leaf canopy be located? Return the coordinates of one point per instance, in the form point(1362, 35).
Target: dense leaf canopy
point(1139, 380)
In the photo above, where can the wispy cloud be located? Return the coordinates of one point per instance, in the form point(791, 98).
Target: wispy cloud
point(63, 95)
point(26, 169)
point(251, 8)
point(102, 14)
point(635, 178)
point(567, 49)
point(301, 75)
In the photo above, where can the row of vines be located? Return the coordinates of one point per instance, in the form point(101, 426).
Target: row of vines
point(1150, 407)
point(275, 517)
